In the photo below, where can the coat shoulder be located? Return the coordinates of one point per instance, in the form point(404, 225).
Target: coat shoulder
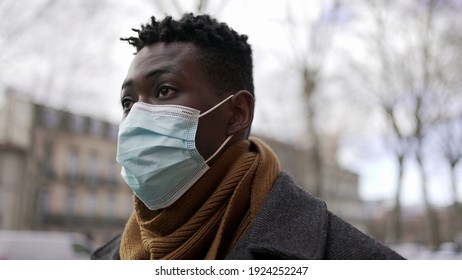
point(293, 224)
point(347, 242)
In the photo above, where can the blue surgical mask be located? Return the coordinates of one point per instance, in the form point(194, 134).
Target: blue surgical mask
point(158, 154)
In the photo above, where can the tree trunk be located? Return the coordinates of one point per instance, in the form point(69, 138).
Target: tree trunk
point(309, 85)
point(316, 159)
point(396, 216)
point(455, 223)
point(433, 235)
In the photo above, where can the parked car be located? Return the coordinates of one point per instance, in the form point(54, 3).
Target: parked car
point(44, 245)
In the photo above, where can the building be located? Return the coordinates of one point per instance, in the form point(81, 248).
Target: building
point(58, 172)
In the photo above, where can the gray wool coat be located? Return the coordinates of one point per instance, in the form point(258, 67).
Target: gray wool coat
point(293, 225)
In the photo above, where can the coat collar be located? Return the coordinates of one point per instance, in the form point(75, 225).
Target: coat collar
point(291, 225)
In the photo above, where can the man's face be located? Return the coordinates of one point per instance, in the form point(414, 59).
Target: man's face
point(164, 74)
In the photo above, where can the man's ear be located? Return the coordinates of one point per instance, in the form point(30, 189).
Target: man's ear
point(242, 104)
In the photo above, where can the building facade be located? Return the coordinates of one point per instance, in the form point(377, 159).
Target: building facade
point(58, 172)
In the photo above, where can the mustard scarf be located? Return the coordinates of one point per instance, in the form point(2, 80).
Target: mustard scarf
point(208, 220)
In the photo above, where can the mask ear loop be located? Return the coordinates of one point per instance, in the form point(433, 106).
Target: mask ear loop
point(229, 137)
point(214, 107)
point(219, 149)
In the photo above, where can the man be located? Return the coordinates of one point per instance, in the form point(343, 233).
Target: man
point(203, 189)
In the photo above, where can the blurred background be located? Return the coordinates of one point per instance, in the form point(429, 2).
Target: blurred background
point(361, 100)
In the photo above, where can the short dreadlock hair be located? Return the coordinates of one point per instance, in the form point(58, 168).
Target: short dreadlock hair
point(226, 55)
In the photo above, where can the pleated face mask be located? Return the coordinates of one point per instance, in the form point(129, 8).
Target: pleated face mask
point(157, 151)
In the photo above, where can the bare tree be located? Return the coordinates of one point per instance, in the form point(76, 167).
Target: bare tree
point(60, 53)
point(404, 74)
point(381, 89)
point(11, 34)
point(453, 155)
point(309, 56)
point(446, 138)
point(433, 94)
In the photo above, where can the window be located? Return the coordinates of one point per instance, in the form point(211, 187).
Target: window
point(93, 169)
point(111, 205)
point(43, 204)
point(90, 204)
point(73, 165)
point(77, 124)
point(112, 132)
point(50, 118)
point(70, 204)
point(96, 127)
point(47, 169)
point(114, 171)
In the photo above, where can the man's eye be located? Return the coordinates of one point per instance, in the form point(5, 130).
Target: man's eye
point(165, 92)
point(127, 104)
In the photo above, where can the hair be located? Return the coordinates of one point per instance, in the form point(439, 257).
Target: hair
point(225, 55)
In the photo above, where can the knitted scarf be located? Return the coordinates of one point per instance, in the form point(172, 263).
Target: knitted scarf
point(208, 220)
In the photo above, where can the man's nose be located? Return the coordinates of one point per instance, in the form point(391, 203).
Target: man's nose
point(145, 98)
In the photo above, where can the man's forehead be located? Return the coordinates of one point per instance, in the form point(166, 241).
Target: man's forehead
point(163, 58)
point(163, 55)
point(170, 50)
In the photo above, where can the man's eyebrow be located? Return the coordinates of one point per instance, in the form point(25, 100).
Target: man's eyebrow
point(164, 70)
point(126, 83)
point(155, 73)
